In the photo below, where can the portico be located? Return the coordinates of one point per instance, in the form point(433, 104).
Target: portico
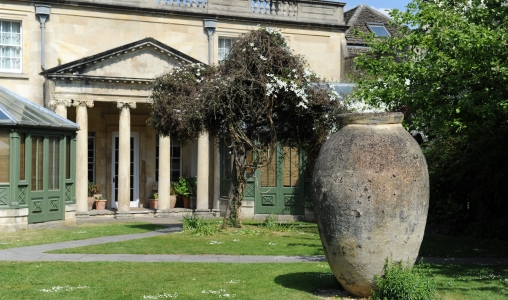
point(114, 110)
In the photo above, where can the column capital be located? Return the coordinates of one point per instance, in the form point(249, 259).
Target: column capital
point(121, 104)
point(55, 102)
point(87, 103)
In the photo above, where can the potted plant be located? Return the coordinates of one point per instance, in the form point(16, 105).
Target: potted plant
point(172, 196)
point(153, 200)
point(92, 190)
point(192, 184)
point(100, 203)
point(181, 189)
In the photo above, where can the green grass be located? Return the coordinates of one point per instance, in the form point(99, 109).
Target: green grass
point(293, 239)
point(286, 239)
point(461, 282)
point(107, 280)
point(138, 280)
point(71, 233)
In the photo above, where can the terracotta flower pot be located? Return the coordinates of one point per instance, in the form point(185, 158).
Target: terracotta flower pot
point(91, 201)
point(186, 203)
point(172, 201)
point(153, 203)
point(371, 197)
point(100, 204)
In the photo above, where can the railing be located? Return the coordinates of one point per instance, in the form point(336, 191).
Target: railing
point(280, 8)
point(322, 12)
point(184, 3)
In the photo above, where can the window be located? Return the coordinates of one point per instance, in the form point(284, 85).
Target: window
point(378, 29)
point(4, 155)
point(175, 161)
point(91, 156)
point(10, 46)
point(224, 47)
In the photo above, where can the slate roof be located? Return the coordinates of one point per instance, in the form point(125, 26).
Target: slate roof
point(18, 111)
point(357, 18)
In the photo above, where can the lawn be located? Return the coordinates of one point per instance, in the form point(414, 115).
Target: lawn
point(106, 280)
point(71, 233)
point(289, 239)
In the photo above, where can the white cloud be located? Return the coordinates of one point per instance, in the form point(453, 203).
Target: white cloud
point(383, 10)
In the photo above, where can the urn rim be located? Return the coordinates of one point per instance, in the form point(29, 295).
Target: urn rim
point(371, 118)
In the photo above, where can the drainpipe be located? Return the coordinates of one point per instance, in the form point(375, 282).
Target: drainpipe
point(43, 12)
point(210, 25)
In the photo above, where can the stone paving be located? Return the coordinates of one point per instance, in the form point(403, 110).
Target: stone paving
point(38, 253)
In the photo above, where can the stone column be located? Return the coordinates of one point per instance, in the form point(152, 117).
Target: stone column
point(124, 168)
point(164, 176)
point(203, 172)
point(216, 176)
point(60, 106)
point(82, 158)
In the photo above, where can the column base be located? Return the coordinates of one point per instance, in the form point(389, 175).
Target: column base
point(123, 215)
point(82, 215)
point(162, 213)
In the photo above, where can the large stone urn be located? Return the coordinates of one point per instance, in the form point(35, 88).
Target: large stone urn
point(371, 197)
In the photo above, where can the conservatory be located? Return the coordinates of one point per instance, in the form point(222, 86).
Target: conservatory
point(37, 159)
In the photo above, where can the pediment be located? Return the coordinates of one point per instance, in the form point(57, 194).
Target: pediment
point(141, 60)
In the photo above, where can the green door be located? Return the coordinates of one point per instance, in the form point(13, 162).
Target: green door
point(281, 184)
point(46, 198)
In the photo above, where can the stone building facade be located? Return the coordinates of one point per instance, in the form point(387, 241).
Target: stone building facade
point(92, 61)
point(365, 19)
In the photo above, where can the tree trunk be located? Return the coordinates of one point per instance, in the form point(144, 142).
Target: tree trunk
point(236, 187)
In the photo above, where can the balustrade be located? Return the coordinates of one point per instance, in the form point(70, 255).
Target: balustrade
point(184, 3)
point(280, 8)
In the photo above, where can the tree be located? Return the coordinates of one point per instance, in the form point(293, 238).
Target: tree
point(447, 69)
point(262, 94)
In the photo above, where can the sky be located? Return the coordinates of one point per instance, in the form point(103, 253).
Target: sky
point(377, 4)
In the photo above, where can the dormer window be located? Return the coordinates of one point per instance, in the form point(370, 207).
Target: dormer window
point(378, 29)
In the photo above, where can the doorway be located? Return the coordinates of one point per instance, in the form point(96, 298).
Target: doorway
point(134, 169)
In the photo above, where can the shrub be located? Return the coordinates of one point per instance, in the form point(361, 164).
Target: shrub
point(270, 222)
point(191, 221)
point(199, 226)
point(404, 282)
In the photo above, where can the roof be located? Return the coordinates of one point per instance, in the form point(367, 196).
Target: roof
point(77, 69)
point(18, 111)
point(358, 17)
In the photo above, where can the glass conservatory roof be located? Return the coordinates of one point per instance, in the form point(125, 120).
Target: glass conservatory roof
point(18, 111)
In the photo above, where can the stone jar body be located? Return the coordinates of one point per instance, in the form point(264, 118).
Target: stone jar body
point(371, 197)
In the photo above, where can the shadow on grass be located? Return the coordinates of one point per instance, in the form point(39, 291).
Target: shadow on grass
point(480, 282)
point(318, 248)
point(157, 227)
point(308, 281)
point(449, 246)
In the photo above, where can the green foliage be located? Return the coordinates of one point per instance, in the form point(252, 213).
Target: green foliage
point(154, 196)
point(92, 189)
point(191, 221)
point(172, 189)
point(270, 221)
point(405, 282)
point(181, 187)
point(261, 94)
point(192, 184)
point(448, 74)
point(199, 226)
